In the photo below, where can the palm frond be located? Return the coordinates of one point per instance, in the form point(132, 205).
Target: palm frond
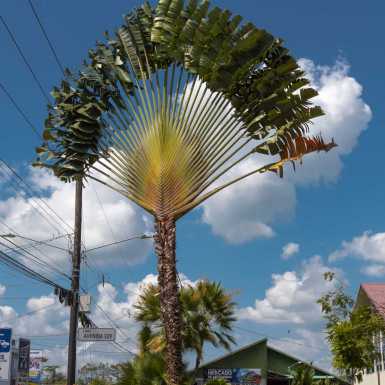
point(181, 95)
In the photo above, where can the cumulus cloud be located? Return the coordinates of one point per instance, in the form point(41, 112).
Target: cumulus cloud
point(374, 270)
point(368, 247)
point(107, 217)
point(346, 117)
point(289, 250)
point(249, 209)
point(292, 297)
point(43, 315)
point(308, 345)
point(114, 304)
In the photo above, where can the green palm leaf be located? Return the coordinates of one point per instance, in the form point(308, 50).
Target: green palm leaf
point(161, 111)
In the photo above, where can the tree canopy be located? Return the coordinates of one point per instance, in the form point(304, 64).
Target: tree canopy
point(352, 332)
point(207, 312)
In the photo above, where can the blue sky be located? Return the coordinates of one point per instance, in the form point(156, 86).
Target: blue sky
point(328, 202)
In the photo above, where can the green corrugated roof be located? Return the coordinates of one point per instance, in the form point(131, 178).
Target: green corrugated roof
point(264, 341)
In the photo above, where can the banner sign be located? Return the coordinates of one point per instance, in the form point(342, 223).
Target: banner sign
point(235, 376)
point(96, 334)
point(5, 353)
point(24, 351)
point(35, 364)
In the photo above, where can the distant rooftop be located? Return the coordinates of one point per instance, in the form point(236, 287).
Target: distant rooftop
point(375, 293)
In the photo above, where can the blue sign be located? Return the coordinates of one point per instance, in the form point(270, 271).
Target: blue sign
point(5, 340)
point(5, 353)
point(234, 376)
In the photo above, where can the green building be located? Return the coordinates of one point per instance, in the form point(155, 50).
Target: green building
point(257, 363)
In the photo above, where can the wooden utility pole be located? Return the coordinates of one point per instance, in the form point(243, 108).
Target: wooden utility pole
point(76, 258)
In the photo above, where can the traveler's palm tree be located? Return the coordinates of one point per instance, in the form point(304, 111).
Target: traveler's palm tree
point(162, 110)
point(207, 313)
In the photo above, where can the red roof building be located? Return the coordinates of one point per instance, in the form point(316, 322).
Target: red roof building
point(372, 294)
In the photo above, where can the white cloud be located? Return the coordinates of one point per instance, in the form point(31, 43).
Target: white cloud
point(374, 270)
point(289, 250)
point(307, 345)
point(249, 209)
point(292, 297)
point(45, 315)
point(346, 117)
point(116, 219)
point(368, 247)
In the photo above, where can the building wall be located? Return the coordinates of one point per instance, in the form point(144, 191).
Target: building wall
point(279, 363)
point(372, 379)
point(253, 357)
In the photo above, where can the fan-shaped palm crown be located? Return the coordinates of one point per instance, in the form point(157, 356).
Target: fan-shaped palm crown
point(162, 110)
point(179, 96)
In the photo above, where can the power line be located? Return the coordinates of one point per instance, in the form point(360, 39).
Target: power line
point(46, 37)
point(17, 187)
point(16, 44)
point(117, 327)
point(37, 260)
point(143, 236)
point(30, 192)
point(25, 270)
point(20, 111)
point(28, 313)
point(45, 243)
point(280, 339)
point(34, 241)
point(17, 248)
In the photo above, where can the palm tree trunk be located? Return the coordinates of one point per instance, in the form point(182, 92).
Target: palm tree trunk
point(196, 368)
point(165, 245)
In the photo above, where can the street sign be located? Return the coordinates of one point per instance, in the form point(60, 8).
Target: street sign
point(96, 334)
point(5, 355)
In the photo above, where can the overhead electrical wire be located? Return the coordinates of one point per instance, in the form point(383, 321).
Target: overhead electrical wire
point(25, 270)
point(16, 249)
point(282, 339)
point(26, 62)
point(20, 110)
point(38, 261)
point(117, 327)
point(31, 193)
point(27, 313)
point(33, 202)
point(45, 243)
point(46, 37)
point(142, 236)
point(35, 242)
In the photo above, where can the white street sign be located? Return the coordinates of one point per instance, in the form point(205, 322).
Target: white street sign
point(96, 334)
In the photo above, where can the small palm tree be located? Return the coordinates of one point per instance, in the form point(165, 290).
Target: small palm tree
point(207, 316)
point(146, 369)
point(165, 108)
point(302, 374)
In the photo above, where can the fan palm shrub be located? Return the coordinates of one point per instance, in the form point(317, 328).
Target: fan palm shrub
point(302, 374)
point(207, 313)
point(165, 107)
